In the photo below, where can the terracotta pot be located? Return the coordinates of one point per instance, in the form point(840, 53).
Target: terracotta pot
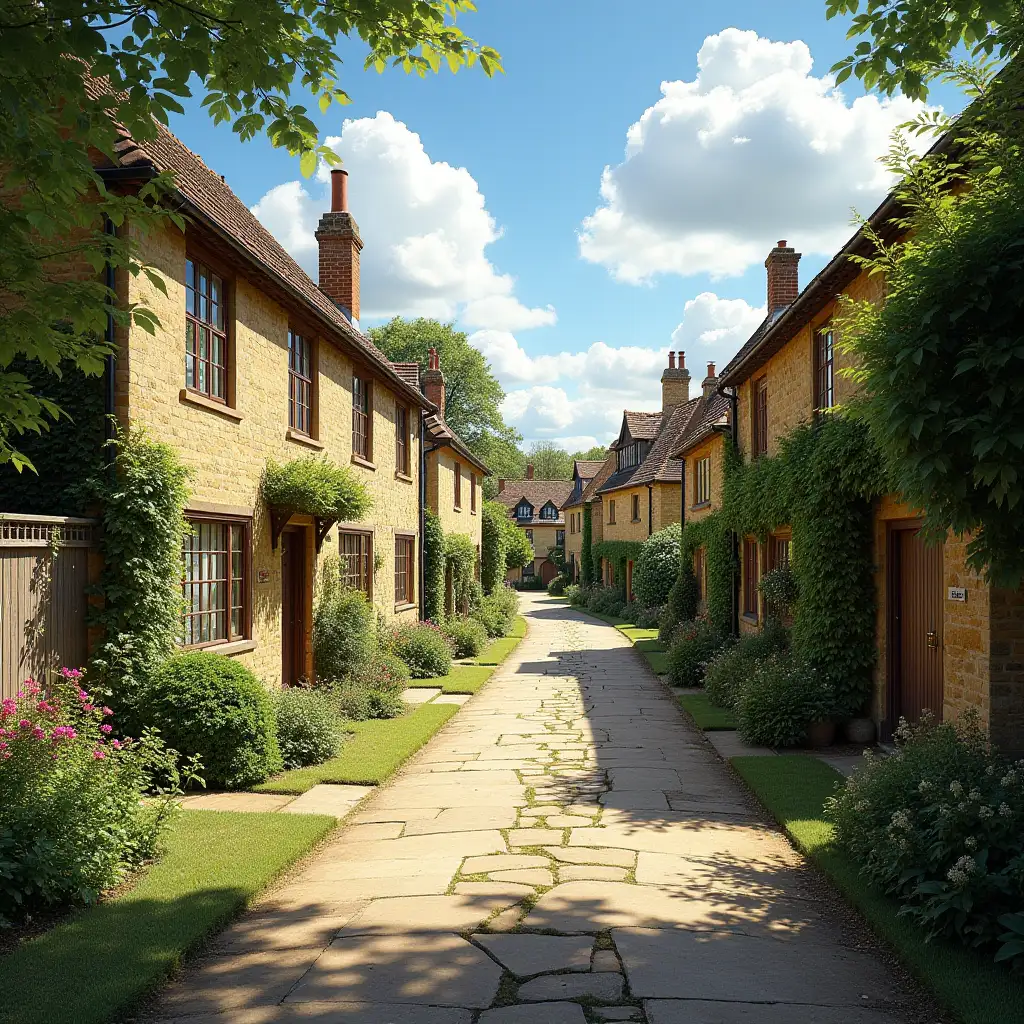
point(860, 730)
point(821, 733)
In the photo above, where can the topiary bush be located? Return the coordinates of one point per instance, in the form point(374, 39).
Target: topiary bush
point(212, 707)
point(493, 516)
point(467, 637)
point(940, 826)
point(657, 566)
point(359, 701)
point(734, 664)
point(780, 700)
point(308, 730)
point(693, 646)
point(680, 605)
point(344, 636)
point(425, 649)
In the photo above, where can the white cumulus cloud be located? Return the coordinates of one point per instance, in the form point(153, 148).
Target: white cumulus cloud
point(424, 224)
point(754, 149)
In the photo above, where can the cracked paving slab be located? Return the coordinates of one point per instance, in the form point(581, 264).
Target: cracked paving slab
point(568, 849)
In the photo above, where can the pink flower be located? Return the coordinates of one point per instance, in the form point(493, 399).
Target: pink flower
point(39, 733)
point(63, 732)
point(25, 724)
point(106, 728)
point(99, 755)
point(116, 744)
point(8, 707)
point(82, 695)
point(107, 712)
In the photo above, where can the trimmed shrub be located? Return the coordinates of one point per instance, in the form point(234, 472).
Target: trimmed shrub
point(498, 611)
point(576, 594)
point(214, 708)
point(425, 649)
point(648, 618)
point(940, 826)
point(460, 566)
point(493, 517)
point(693, 646)
point(72, 818)
point(732, 666)
point(556, 588)
point(780, 700)
point(657, 566)
point(315, 486)
point(468, 637)
point(605, 601)
point(386, 672)
point(433, 565)
point(308, 730)
point(344, 637)
point(359, 702)
point(680, 605)
point(630, 610)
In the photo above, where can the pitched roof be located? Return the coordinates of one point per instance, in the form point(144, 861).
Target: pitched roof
point(583, 471)
point(209, 198)
point(538, 493)
point(658, 465)
point(711, 413)
point(439, 433)
point(409, 372)
point(590, 492)
point(642, 426)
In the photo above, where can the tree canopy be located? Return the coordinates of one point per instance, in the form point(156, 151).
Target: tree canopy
point(73, 71)
point(904, 44)
point(552, 462)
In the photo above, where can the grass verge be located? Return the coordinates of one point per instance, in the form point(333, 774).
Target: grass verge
point(968, 984)
point(498, 650)
point(643, 639)
point(706, 715)
point(103, 960)
point(461, 679)
point(375, 752)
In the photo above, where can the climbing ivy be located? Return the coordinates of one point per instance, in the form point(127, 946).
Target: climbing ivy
point(492, 545)
point(618, 552)
point(460, 564)
point(822, 484)
point(433, 566)
point(712, 533)
point(586, 548)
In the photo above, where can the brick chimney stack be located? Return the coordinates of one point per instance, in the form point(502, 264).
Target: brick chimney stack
point(710, 383)
point(529, 471)
point(783, 276)
point(432, 381)
point(338, 237)
point(675, 383)
point(501, 484)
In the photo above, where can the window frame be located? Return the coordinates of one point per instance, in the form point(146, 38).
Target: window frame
point(751, 578)
point(529, 535)
point(611, 511)
point(364, 570)
point(295, 378)
point(458, 486)
point(702, 481)
point(759, 415)
point(472, 493)
point(560, 538)
point(524, 507)
point(634, 508)
point(194, 320)
point(406, 541)
point(362, 417)
point(545, 508)
point(403, 440)
point(229, 523)
point(824, 368)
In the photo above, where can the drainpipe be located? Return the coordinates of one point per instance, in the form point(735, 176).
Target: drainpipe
point(734, 435)
point(110, 280)
point(650, 509)
point(422, 561)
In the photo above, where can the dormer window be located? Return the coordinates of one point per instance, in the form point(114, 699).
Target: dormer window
point(549, 512)
point(524, 510)
point(631, 455)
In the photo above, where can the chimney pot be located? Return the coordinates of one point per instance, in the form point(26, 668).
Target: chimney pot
point(782, 243)
point(682, 360)
point(432, 381)
point(501, 484)
point(711, 369)
point(671, 360)
point(529, 471)
point(339, 191)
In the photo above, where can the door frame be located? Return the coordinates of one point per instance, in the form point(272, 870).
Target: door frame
point(894, 528)
point(306, 659)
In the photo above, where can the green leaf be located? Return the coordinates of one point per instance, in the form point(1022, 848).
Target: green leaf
point(307, 163)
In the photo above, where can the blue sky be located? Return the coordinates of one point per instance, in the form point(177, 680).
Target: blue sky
point(756, 148)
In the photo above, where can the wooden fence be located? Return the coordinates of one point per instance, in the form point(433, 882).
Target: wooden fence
point(44, 572)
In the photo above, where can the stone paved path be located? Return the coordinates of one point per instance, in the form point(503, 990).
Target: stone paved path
point(567, 850)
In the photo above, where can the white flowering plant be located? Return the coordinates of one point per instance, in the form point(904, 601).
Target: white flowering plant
point(939, 825)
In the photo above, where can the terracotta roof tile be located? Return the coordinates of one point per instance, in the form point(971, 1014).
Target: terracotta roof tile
point(606, 470)
point(409, 372)
point(643, 426)
point(538, 493)
point(712, 412)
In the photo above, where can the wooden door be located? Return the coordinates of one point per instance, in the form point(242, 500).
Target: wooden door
point(915, 624)
point(293, 606)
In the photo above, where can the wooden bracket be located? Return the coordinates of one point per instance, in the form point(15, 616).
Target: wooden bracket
point(278, 521)
point(323, 527)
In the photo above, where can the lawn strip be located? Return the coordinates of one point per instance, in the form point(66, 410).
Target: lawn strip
point(378, 749)
point(102, 961)
point(706, 715)
point(498, 650)
point(974, 989)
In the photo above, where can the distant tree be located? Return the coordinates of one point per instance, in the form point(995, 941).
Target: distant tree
point(502, 455)
point(243, 58)
point(595, 454)
point(472, 394)
point(550, 461)
point(905, 44)
point(518, 550)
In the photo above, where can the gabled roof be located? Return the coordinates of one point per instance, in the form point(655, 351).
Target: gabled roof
point(642, 426)
point(538, 493)
point(440, 434)
point(208, 198)
point(658, 465)
point(583, 471)
point(590, 492)
point(409, 372)
point(712, 414)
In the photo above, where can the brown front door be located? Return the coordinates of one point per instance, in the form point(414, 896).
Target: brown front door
point(293, 606)
point(915, 624)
